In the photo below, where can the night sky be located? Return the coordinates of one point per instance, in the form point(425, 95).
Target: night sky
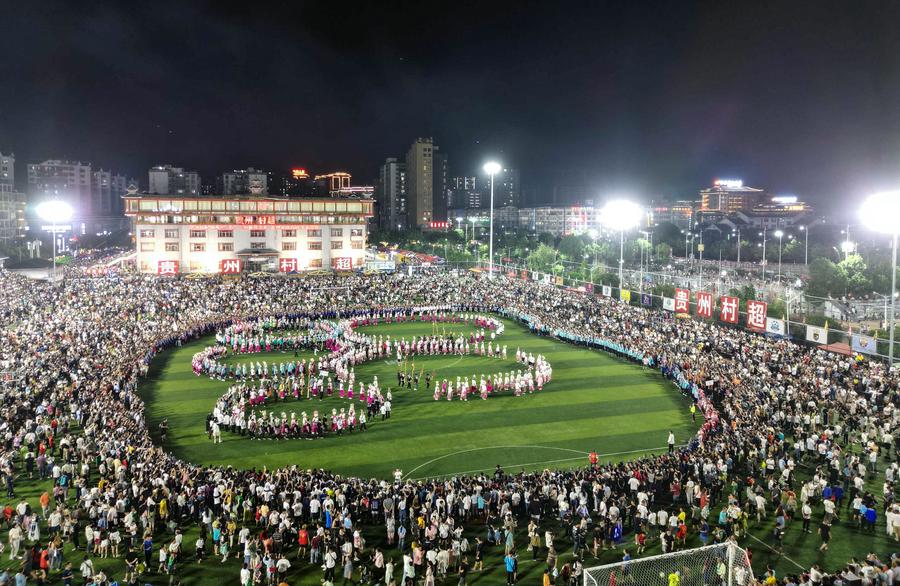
point(640, 98)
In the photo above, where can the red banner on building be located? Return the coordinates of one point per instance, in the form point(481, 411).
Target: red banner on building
point(756, 315)
point(342, 263)
point(230, 266)
point(682, 300)
point(704, 304)
point(167, 267)
point(288, 265)
point(729, 311)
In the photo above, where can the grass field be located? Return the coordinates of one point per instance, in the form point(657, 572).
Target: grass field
point(594, 402)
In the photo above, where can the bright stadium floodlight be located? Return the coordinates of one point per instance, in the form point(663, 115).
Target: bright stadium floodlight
point(56, 212)
point(491, 168)
point(880, 213)
point(779, 234)
point(621, 215)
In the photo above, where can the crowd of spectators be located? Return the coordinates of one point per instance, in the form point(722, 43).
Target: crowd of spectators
point(789, 435)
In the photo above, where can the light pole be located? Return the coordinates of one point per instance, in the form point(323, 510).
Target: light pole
point(880, 212)
point(700, 247)
point(459, 222)
point(738, 247)
point(779, 234)
point(54, 211)
point(621, 215)
point(763, 263)
point(491, 168)
point(805, 231)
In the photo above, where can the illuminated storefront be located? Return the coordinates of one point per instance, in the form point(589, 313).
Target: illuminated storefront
point(245, 233)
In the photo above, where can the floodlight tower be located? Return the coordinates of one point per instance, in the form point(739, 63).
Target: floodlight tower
point(56, 212)
point(879, 213)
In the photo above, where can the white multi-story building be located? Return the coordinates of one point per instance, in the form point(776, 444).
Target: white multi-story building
point(231, 234)
point(169, 180)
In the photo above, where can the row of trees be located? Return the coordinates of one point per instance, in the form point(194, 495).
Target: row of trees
point(852, 276)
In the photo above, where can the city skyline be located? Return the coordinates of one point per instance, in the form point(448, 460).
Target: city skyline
point(622, 99)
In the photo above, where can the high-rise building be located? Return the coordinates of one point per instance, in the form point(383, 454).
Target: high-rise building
point(8, 169)
point(420, 182)
point(170, 180)
point(507, 191)
point(96, 196)
point(440, 186)
point(245, 182)
point(464, 193)
point(390, 195)
point(107, 189)
point(68, 180)
point(12, 213)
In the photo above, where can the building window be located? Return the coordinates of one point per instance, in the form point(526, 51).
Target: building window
point(314, 246)
point(337, 245)
point(288, 246)
point(198, 233)
point(226, 233)
point(257, 233)
point(257, 245)
point(198, 247)
point(171, 247)
point(314, 233)
point(315, 263)
point(226, 246)
point(288, 233)
point(172, 233)
point(356, 232)
point(337, 232)
point(356, 245)
point(148, 246)
point(148, 233)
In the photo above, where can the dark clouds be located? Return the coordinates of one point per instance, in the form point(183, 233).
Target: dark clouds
point(648, 97)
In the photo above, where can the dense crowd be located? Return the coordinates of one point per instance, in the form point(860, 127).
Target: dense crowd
point(790, 435)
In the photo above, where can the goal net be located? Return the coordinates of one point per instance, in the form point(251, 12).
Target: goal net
point(723, 564)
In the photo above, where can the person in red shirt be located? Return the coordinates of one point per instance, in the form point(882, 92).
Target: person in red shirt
point(302, 541)
point(593, 458)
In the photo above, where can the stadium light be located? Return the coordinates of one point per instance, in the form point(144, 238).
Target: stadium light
point(621, 215)
point(491, 168)
point(880, 213)
point(779, 234)
point(56, 212)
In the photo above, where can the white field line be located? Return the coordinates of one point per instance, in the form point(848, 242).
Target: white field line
point(408, 474)
point(772, 549)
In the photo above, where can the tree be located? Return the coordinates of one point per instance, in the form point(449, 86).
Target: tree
point(572, 247)
point(542, 259)
point(826, 279)
point(858, 282)
point(663, 252)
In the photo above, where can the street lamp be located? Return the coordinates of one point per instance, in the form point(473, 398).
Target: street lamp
point(879, 213)
point(805, 231)
point(56, 212)
point(779, 234)
point(763, 263)
point(621, 215)
point(491, 168)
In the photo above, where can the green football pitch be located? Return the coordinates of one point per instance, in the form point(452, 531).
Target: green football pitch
point(594, 402)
